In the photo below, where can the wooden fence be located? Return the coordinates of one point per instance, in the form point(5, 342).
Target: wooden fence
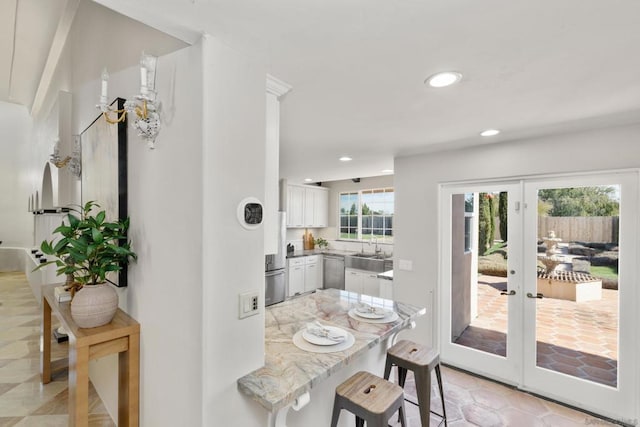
point(600, 229)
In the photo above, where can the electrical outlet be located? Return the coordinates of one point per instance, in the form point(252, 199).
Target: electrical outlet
point(249, 304)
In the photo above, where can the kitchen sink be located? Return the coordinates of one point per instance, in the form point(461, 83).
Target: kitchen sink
point(369, 255)
point(370, 262)
point(364, 255)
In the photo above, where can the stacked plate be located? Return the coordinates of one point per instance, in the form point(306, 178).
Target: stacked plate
point(318, 338)
point(323, 335)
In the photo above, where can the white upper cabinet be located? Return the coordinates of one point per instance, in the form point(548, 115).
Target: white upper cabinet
point(307, 206)
point(321, 208)
point(295, 206)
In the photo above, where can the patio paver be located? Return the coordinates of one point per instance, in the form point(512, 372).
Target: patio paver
point(579, 339)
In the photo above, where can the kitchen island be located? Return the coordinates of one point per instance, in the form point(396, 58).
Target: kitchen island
point(292, 377)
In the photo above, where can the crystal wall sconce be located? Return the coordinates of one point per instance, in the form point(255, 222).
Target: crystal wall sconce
point(145, 105)
point(72, 161)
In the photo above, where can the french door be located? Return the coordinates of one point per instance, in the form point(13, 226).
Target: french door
point(480, 321)
point(538, 286)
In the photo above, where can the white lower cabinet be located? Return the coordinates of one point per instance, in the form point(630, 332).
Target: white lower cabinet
point(386, 288)
point(362, 282)
point(295, 276)
point(370, 285)
point(304, 274)
point(352, 280)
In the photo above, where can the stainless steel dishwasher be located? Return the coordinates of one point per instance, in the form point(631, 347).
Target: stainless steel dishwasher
point(333, 271)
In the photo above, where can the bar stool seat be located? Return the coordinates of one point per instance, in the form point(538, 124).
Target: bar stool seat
point(370, 398)
point(410, 356)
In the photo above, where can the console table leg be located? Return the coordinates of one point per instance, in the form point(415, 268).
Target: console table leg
point(45, 360)
point(129, 383)
point(78, 386)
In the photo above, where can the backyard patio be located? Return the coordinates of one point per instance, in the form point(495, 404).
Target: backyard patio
point(576, 338)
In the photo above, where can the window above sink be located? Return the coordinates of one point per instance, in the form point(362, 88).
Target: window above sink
point(367, 215)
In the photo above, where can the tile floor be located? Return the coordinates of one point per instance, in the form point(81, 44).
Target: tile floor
point(578, 339)
point(473, 401)
point(25, 402)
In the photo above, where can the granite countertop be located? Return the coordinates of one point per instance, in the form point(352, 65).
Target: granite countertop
point(388, 275)
point(289, 371)
point(339, 252)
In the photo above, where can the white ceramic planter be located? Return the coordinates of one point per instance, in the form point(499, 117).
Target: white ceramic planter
point(94, 305)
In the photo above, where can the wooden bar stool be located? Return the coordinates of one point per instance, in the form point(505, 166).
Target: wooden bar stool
point(410, 356)
point(370, 399)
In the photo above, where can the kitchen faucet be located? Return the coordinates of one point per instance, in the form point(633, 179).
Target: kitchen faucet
point(375, 241)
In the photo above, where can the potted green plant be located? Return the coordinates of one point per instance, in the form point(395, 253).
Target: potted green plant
point(89, 248)
point(321, 243)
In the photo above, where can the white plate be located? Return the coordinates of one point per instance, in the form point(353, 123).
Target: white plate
point(333, 331)
point(379, 313)
point(303, 344)
point(390, 318)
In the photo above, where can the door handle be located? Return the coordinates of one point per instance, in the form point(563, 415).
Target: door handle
point(511, 292)
point(538, 295)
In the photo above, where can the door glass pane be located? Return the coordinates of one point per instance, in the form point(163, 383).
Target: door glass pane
point(577, 282)
point(479, 304)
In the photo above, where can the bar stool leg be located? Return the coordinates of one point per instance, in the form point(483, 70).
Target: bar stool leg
point(402, 376)
point(402, 415)
point(423, 388)
point(336, 411)
point(387, 369)
point(439, 378)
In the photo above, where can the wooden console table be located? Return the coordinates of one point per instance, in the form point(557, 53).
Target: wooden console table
point(121, 336)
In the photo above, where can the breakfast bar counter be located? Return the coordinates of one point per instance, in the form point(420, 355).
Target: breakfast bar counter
point(291, 372)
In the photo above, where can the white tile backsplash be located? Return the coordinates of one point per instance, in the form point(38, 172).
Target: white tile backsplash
point(297, 244)
point(294, 237)
point(344, 245)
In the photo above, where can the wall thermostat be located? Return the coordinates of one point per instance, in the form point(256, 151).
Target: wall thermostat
point(250, 213)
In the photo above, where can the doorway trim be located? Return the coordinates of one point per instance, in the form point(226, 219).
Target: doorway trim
point(632, 201)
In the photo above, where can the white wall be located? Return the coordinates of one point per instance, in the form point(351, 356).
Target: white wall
point(17, 179)
point(165, 285)
point(233, 257)
point(416, 195)
point(165, 291)
point(182, 202)
point(102, 38)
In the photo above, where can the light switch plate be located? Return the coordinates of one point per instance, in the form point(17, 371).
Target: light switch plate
point(249, 304)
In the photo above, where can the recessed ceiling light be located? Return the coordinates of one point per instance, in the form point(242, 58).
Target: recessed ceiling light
point(345, 159)
point(446, 78)
point(489, 132)
point(308, 180)
point(387, 171)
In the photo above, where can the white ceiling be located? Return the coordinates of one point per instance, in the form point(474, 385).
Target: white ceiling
point(357, 69)
point(27, 30)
